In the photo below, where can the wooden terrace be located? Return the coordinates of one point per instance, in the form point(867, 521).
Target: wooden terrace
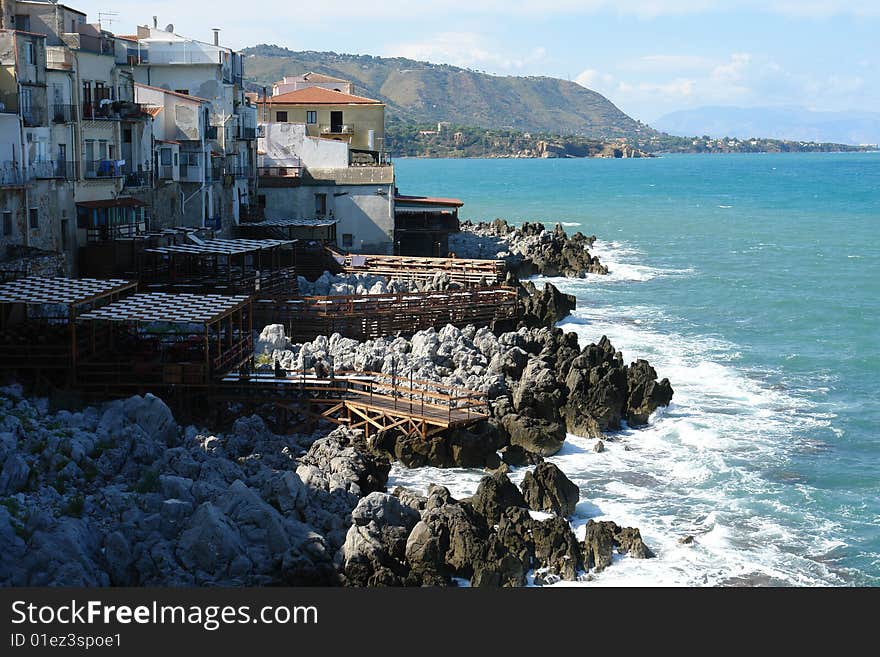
point(465, 272)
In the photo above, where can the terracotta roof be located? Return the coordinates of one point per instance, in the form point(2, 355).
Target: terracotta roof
point(127, 37)
point(173, 93)
point(428, 200)
point(320, 96)
point(153, 110)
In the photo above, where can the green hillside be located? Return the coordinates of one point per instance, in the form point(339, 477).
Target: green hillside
point(423, 93)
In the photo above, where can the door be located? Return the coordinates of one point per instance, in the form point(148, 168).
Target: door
point(336, 122)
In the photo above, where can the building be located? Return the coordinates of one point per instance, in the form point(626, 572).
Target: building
point(308, 80)
point(182, 159)
point(422, 225)
point(34, 191)
point(312, 180)
point(358, 121)
point(213, 73)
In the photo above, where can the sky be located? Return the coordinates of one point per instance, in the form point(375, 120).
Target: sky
point(649, 57)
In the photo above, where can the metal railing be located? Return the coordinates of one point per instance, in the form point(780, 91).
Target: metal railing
point(138, 179)
point(53, 169)
point(280, 172)
point(103, 169)
point(247, 133)
point(239, 171)
point(12, 173)
point(336, 129)
point(106, 233)
point(62, 113)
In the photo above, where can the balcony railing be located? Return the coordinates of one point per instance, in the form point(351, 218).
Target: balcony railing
point(337, 129)
point(166, 172)
point(31, 118)
point(247, 133)
point(62, 113)
point(105, 233)
point(239, 171)
point(190, 173)
point(281, 172)
point(53, 169)
point(11, 174)
point(138, 179)
point(103, 169)
point(97, 110)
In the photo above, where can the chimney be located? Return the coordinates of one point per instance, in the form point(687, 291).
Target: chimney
point(216, 35)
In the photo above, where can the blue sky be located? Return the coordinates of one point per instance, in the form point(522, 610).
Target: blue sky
point(649, 57)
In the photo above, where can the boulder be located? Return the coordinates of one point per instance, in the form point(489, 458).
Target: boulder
point(548, 489)
point(644, 393)
point(495, 494)
point(534, 435)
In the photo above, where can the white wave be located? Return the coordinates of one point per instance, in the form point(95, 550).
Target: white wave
point(725, 207)
point(571, 223)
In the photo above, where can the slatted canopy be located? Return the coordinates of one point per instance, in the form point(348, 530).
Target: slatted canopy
point(221, 247)
point(288, 221)
point(174, 308)
point(69, 291)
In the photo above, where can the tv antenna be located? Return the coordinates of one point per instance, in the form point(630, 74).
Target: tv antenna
point(107, 16)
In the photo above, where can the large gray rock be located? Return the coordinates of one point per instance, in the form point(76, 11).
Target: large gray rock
point(548, 489)
point(534, 435)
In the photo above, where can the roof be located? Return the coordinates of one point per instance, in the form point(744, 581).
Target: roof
point(428, 200)
point(173, 93)
point(320, 96)
point(127, 37)
point(45, 2)
point(153, 110)
point(311, 76)
point(69, 291)
point(314, 223)
point(166, 307)
point(125, 202)
point(221, 247)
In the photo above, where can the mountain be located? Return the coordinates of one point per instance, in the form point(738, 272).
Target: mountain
point(424, 93)
point(794, 123)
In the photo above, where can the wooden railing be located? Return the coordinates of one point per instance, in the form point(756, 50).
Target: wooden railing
point(371, 316)
point(460, 270)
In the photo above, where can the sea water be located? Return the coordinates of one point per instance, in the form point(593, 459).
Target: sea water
point(752, 282)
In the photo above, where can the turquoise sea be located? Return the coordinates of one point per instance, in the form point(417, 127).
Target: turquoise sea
point(753, 283)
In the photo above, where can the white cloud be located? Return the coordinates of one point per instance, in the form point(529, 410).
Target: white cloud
point(466, 49)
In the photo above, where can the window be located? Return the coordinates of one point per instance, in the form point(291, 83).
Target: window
point(347, 239)
point(320, 204)
point(311, 117)
point(165, 157)
point(281, 117)
point(7, 224)
point(30, 53)
point(185, 92)
point(34, 218)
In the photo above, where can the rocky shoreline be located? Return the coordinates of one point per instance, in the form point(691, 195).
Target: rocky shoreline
point(122, 495)
point(530, 249)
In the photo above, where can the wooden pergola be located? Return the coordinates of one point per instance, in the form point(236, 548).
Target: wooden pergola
point(38, 319)
point(464, 271)
point(160, 338)
point(233, 266)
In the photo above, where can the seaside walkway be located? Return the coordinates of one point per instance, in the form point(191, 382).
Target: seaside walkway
point(371, 401)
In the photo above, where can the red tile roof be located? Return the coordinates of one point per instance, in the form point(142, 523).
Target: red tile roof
point(320, 96)
point(173, 93)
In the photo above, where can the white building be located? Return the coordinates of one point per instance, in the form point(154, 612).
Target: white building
point(306, 80)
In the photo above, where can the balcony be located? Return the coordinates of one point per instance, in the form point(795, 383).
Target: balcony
point(103, 169)
point(166, 172)
point(12, 175)
point(99, 109)
point(61, 113)
point(336, 129)
point(53, 169)
point(138, 179)
point(280, 172)
point(239, 171)
point(31, 118)
point(247, 134)
point(191, 173)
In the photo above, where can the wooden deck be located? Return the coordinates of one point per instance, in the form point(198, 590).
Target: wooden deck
point(464, 271)
point(371, 316)
point(370, 401)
